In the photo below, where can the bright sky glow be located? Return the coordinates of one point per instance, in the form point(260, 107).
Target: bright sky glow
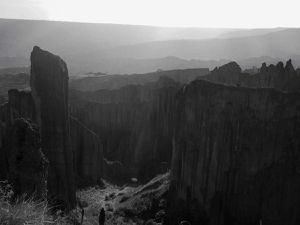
point(190, 13)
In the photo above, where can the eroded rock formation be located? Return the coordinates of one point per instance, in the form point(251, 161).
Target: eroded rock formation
point(76, 153)
point(236, 155)
point(280, 77)
point(22, 161)
point(27, 164)
point(132, 123)
point(88, 151)
point(49, 86)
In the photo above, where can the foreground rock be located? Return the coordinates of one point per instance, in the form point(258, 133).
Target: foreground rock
point(27, 164)
point(49, 86)
point(46, 107)
point(22, 161)
point(236, 156)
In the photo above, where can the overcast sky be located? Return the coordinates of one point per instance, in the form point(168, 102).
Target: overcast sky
point(191, 13)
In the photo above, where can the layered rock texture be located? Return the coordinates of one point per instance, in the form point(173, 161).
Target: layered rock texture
point(236, 155)
point(88, 151)
point(27, 164)
point(132, 123)
point(49, 86)
point(22, 161)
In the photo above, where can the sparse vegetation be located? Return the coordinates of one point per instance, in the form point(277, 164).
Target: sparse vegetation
point(27, 210)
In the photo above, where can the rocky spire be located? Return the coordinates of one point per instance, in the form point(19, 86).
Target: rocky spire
point(49, 85)
point(289, 68)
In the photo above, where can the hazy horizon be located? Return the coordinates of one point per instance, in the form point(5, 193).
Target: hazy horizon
point(191, 13)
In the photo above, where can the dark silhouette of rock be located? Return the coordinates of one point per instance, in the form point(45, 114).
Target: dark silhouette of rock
point(88, 151)
point(12, 81)
point(27, 165)
point(49, 86)
point(19, 105)
point(235, 155)
point(49, 108)
point(284, 78)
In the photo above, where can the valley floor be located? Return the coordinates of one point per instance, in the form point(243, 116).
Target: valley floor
point(129, 204)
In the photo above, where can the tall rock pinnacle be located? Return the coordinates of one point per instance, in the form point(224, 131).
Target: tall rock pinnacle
point(49, 85)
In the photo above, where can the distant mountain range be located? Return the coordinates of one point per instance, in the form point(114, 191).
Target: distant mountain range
point(126, 49)
point(284, 43)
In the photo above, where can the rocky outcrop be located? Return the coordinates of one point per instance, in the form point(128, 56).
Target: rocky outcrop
point(22, 160)
point(12, 81)
point(49, 86)
point(236, 156)
point(284, 78)
point(73, 150)
point(27, 165)
point(88, 151)
point(19, 105)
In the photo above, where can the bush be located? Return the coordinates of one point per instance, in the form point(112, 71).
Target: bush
point(24, 210)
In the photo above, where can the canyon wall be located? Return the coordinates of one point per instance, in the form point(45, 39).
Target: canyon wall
point(22, 160)
point(88, 154)
point(236, 155)
point(132, 123)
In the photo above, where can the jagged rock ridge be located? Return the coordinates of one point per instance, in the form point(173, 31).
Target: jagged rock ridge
point(284, 78)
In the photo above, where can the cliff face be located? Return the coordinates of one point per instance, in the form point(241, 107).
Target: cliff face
point(280, 77)
point(22, 161)
point(236, 155)
point(88, 152)
point(132, 123)
point(49, 85)
point(27, 165)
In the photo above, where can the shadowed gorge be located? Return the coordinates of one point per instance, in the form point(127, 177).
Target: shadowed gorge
point(216, 147)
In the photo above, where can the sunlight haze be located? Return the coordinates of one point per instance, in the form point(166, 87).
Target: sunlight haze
point(174, 13)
